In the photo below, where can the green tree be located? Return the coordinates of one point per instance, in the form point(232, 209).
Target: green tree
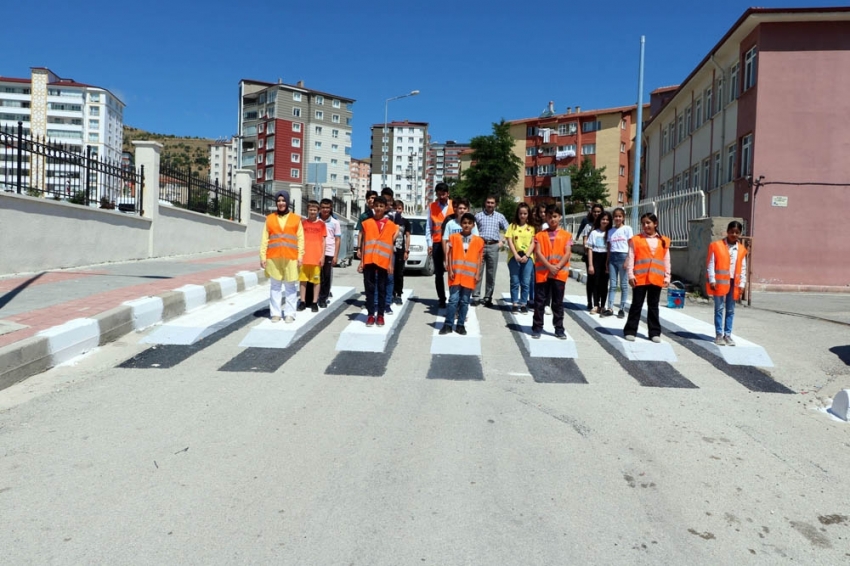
point(495, 166)
point(588, 184)
point(507, 206)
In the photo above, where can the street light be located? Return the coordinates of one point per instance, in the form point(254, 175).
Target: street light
point(384, 133)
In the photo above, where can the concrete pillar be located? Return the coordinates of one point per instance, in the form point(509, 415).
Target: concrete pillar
point(243, 182)
point(327, 192)
point(295, 196)
point(148, 155)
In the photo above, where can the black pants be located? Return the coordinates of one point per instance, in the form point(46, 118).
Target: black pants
point(438, 257)
point(553, 290)
point(651, 294)
point(597, 283)
point(327, 276)
point(587, 286)
point(398, 273)
point(375, 281)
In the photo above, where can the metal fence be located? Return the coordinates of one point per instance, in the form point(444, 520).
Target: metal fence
point(40, 167)
point(262, 201)
point(339, 206)
point(674, 213)
point(185, 188)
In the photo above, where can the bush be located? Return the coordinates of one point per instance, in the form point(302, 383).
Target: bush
point(507, 206)
point(79, 197)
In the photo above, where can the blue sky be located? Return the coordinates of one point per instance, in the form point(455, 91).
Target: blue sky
point(177, 64)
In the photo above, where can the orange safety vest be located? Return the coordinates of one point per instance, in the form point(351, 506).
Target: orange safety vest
point(283, 244)
point(723, 277)
point(437, 217)
point(553, 254)
point(314, 241)
point(649, 267)
point(378, 246)
point(465, 264)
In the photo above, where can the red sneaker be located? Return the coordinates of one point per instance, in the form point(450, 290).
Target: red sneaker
point(370, 321)
point(380, 320)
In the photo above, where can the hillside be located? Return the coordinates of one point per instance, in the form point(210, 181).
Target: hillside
point(177, 150)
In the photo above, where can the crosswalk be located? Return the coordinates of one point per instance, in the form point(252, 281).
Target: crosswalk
point(263, 347)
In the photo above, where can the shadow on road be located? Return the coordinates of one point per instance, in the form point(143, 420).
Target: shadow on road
point(7, 298)
point(843, 353)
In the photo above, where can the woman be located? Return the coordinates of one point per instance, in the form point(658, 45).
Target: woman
point(587, 226)
point(597, 260)
point(520, 237)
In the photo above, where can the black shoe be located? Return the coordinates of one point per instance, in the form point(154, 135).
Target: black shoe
point(514, 309)
point(442, 305)
point(488, 302)
point(560, 335)
point(523, 310)
point(460, 329)
point(314, 308)
point(397, 300)
point(323, 304)
point(621, 314)
point(301, 305)
point(606, 312)
point(475, 302)
point(446, 329)
point(535, 334)
point(330, 295)
point(589, 307)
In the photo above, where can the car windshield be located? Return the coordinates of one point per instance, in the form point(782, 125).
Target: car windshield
point(417, 226)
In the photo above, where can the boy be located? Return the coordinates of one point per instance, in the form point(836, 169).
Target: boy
point(402, 249)
point(451, 225)
point(464, 252)
point(377, 240)
point(315, 232)
point(332, 242)
point(437, 213)
point(551, 269)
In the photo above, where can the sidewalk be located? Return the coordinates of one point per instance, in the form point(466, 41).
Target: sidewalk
point(33, 303)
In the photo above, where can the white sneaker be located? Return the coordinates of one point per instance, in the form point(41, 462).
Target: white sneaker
point(656, 339)
point(289, 319)
point(630, 338)
point(548, 309)
point(275, 319)
point(729, 341)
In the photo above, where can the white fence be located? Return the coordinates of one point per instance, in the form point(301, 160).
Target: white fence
point(673, 212)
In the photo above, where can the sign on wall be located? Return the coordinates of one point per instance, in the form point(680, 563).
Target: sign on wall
point(779, 201)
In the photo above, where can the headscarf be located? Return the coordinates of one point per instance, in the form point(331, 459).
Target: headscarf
point(285, 195)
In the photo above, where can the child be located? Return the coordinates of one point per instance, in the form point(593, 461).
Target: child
point(402, 250)
point(464, 252)
point(520, 238)
point(332, 245)
point(597, 261)
point(618, 249)
point(587, 226)
point(727, 276)
point(281, 253)
point(315, 232)
point(551, 267)
point(648, 267)
point(451, 225)
point(377, 239)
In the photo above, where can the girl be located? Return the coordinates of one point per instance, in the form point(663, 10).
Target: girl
point(648, 266)
point(618, 250)
point(597, 260)
point(537, 221)
point(588, 224)
point(520, 237)
point(727, 276)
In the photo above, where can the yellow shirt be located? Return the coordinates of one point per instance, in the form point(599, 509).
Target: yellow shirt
point(522, 237)
point(279, 268)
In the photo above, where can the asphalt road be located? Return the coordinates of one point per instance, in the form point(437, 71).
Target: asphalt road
point(310, 456)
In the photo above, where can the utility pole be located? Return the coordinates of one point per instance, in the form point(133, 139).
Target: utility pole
point(638, 139)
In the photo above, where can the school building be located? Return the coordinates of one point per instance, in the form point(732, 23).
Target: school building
point(758, 125)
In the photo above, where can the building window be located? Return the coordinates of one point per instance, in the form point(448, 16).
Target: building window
point(335, 103)
point(688, 121)
point(296, 111)
point(94, 137)
point(296, 142)
point(94, 97)
point(750, 60)
point(622, 127)
point(718, 170)
point(334, 147)
point(706, 171)
point(335, 118)
point(686, 179)
point(259, 158)
point(270, 128)
point(530, 131)
point(334, 133)
point(698, 113)
point(296, 96)
point(570, 147)
point(665, 141)
point(622, 170)
point(567, 129)
point(333, 176)
point(269, 158)
point(730, 163)
point(398, 149)
point(94, 124)
point(334, 161)
point(294, 173)
point(718, 95)
point(706, 102)
point(317, 145)
point(746, 155)
point(295, 157)
point(261, 144)
point(296, 126)
point(320, 100)
point(621, 197)
point(261, 128)
point(588, 149)
point(591, 126)
point(622, 147)
point(734, 78)
point(348, 121)
point(94, 110)
point(320, 115)
point(317, 159)
point(318, 130)
point(678, 183)
point(269, 172)
point(680, 131)
point(695, 177)
point(345, 178)
point(269, 143)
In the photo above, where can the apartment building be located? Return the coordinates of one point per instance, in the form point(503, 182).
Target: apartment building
point(766, 101)
point(224, 159)
point(443, 163)
point(361, 172)
point(552, 142)
point(286, 128)
point(77, 115)
point(398, 160)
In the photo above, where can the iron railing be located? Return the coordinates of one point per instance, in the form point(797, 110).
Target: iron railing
point(674, 213)
point(43, 168)
point(262, 201)
point(339, 206)
point(187, 189)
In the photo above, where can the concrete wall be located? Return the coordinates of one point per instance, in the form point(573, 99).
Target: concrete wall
point(38, 234)
point(179, 231)
point(689, 263)
point(255, 231)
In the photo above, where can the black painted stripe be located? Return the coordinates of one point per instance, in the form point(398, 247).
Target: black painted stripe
point(647, 373)
point(455, 368)
point(544, 370)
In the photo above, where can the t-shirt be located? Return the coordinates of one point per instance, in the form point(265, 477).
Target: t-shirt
point(452, 226)
point(522, 237)
point(314, 241)
point(334, 232)
point(596, 242)
point(403, 228)
point(618, 238)
point(381, 223)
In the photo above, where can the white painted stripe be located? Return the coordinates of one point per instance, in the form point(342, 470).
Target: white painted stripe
point(197, 325)
point(249, 278)
point(194, 296)
point(642, 349)
point(547, 346)
point(744, 353)
point(455, 344)
point(357, 337)
point(228, 286)
point(270, 334)
point(147, 311)
point(71, 339)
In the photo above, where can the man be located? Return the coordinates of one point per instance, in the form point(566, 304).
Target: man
point(281, 253)
point(390, 214)
point(437, 213)
point(489, 224)
point(402, 250)
point(332, 243)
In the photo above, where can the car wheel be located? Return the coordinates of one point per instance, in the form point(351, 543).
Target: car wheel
point(429, 267)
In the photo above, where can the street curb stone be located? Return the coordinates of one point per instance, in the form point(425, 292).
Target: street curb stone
point(23, 359)
point(114, 323)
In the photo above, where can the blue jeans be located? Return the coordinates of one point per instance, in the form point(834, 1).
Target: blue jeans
point(729, 302)
point(458, 303)
point(520, 281)
point(390, 284)
point(617, 275)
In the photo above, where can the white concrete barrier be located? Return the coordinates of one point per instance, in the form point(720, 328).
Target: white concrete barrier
point(249, 278)
point(194, 296)
point(841, 405)
point(228, 286)
point(357, 337)
point(547, 346)
point(455, 344)
point(72, 339)
point(147, 311)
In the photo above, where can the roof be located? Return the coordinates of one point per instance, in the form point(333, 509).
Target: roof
point(298, 88)
point(663, 89)
point(584, 114)
point(401, 124)
point(61, 81)
point(744, 17)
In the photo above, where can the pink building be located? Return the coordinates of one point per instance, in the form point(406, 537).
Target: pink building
point(360, 173)
point(758, 125)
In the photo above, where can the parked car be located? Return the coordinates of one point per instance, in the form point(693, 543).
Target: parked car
point(418, 258)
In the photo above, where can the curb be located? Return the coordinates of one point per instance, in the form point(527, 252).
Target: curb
point(61, 343)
